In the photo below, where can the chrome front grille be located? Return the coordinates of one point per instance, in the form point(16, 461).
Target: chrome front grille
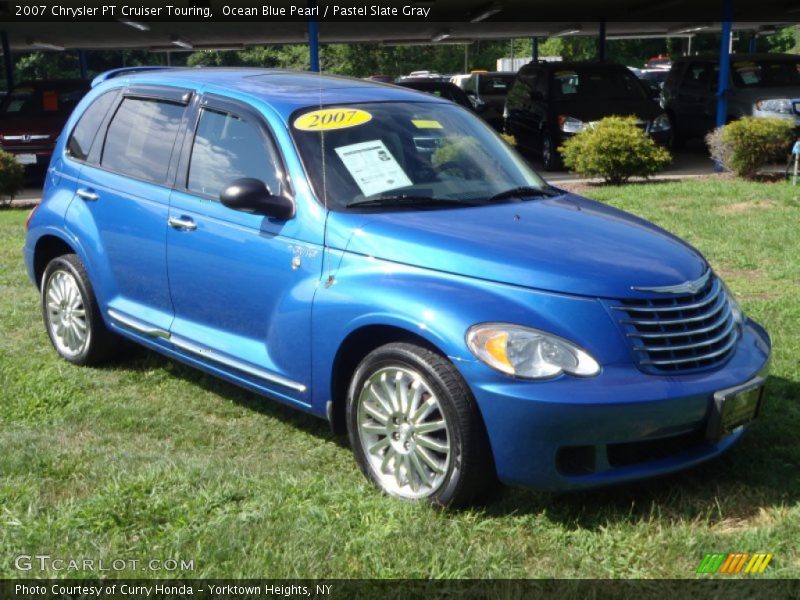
point(671, 332)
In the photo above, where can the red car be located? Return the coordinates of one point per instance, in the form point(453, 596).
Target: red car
point(32, 116)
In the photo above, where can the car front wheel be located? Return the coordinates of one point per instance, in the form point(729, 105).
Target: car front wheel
point(414, 427)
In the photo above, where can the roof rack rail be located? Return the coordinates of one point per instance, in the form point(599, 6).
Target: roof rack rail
point(123, 71)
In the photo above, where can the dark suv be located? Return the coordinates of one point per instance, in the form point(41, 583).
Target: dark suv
point(33, 115)
point(549, 102)
point(761, 85)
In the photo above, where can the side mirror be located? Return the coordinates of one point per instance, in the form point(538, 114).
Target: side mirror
point(253, 196)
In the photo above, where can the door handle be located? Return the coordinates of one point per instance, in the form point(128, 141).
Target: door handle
point(87, 195)
point(182, 223)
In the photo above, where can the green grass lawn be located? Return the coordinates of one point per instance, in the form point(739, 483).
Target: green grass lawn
point(151, 459)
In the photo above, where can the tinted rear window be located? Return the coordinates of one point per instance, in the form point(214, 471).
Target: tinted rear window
point(80, 142)
point(592, 83)
point(766, 73)
point(140, 138)
point(495, 84)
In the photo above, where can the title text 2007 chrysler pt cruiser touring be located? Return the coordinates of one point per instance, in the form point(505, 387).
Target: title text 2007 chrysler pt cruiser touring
point(380, 257)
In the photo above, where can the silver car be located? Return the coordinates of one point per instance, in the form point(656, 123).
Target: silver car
point(761, 85)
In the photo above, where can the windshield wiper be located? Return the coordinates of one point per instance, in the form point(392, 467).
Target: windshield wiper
point(525, 192)
point(408, 200)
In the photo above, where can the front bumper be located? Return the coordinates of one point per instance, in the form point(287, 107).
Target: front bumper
point(623, 425)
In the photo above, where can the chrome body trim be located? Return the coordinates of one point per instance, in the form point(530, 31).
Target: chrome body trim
point(678, 361)
point(87, 195)
point(213, 355)
point(137, 325)
point(687, 287)
point(177, 223)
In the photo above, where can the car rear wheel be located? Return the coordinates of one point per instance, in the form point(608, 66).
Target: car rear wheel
point(414, 427)
point(71, 315)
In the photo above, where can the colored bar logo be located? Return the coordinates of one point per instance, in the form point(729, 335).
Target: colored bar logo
point(734, 563)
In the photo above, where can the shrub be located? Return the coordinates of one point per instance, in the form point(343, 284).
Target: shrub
point(616, 149)
point(12, 178)
point(746, 145)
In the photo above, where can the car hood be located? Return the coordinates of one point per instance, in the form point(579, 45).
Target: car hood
point(566, 244)
point(600, 108)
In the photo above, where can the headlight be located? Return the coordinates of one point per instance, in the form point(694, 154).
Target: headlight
point(528, 353)
point(660, 123)
point(569, 124)
point(781, 106)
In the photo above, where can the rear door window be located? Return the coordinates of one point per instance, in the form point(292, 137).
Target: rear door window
point(140, 138)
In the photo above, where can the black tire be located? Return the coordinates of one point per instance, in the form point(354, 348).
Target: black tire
point(100, 344)
point(677, 140)
point(551, 159)
point(470, 474)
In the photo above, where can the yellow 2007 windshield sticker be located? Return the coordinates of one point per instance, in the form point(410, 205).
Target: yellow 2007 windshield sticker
point(331, 118)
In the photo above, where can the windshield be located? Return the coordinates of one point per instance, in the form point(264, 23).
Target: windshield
point(34, 102)
point(596, 83)
point(357, 152)
point(766, 73)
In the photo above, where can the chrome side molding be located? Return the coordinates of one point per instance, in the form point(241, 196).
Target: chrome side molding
point(213, 355)
point(137, 325)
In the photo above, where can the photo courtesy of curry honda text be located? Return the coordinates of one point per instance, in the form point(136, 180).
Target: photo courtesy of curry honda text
point(381, 258)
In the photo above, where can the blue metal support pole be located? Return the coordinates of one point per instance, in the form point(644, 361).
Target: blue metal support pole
point(723, 83)
point(83, 64)
point(313, 40)
point(601, 41)
point(8, 60)
point(535, 49)
point(753, 43)
point(724, 67)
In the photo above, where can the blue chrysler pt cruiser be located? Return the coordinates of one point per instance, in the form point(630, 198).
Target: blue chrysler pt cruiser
point(381, 258)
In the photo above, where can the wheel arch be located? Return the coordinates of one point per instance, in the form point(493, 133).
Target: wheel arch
point(354, 347)
point(48, 247)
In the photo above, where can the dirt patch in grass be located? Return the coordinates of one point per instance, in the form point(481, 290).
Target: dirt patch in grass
point(740, 207)
point(760, 287)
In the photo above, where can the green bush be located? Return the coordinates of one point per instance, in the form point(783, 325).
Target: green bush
point(616, 149)
point(12, 178)
point(746, 145)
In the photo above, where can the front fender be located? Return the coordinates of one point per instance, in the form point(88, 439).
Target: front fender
point(439, 307)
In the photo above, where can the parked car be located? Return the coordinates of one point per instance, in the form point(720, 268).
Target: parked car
point(381, 78)
point(442, 89)
point(487, 91)
point(655, 78)
point(32, 116)
point(550, 102)
point(662, 62)
point(761, 85)
point(457, 316)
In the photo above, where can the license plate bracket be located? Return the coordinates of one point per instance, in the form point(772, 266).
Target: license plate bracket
point(733, 407)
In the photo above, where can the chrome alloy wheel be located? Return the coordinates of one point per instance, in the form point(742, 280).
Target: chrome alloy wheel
point(66, 313)
point(404, 432)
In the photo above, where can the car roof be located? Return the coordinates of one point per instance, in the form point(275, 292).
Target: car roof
point(740, 56)
point(282, 89)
